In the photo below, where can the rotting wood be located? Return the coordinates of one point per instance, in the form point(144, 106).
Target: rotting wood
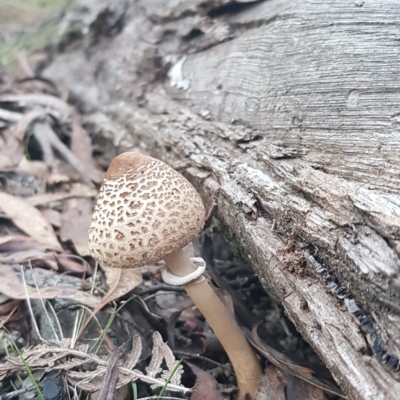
point(287, 113)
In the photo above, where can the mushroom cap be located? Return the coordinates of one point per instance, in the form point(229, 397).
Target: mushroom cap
point(145, 211)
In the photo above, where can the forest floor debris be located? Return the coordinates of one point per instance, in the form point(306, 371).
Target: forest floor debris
point(49, 285)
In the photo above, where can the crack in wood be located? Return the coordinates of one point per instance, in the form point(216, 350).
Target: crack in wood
point(366, 322)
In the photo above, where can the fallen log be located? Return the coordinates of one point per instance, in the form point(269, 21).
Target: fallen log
point(285, 113)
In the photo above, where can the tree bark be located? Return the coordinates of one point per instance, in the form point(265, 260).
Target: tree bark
point(286, 113)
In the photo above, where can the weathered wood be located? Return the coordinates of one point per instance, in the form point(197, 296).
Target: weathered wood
point(286, 113)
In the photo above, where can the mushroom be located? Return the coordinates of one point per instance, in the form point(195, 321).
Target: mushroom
point(147, 212)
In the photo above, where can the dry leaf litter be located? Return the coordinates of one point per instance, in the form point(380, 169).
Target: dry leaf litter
point(84, 332)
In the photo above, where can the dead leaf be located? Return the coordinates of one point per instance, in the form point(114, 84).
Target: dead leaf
point(206, 385)
point(52, 216)
point(55, 178)
point(120, 282)
point(14, 313)
point(8, 306)
point(81, 146)
point(297, 389)
point(276, 357)
point(36, 168)
point(33, 256)
point(272, 385)
point(76, 218)
point(11, 244)
point(29, 220)
point(74, 264)
point(120, 394)
point(284, 363)
point(21, 184)
point(11, 285)
point(77, 190)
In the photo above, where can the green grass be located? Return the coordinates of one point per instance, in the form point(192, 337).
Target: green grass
point(26, 366)
point(164, 388)
point(95, 348)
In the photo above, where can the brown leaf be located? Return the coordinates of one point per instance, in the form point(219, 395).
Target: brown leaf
point(120, 282)
point(81, 146)
point(206, 385)
point(284, 363)
point(8, 306)
point(77, 215)
point(57, 177)
point(77, 190)
point(52, 216)
point(11, 285)
point(74, 264)
point(29, 220)
point(297, 389)
point(276, 357)
point(10, 311)
point(272, 385)
point(36, 168)
point(11, 244)
point(32, 256)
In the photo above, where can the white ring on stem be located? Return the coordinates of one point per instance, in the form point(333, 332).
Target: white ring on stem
point(171, 279)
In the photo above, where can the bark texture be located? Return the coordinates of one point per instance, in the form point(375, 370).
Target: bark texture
point(286, 113)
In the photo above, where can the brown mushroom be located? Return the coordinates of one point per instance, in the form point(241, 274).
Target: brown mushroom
point(146, 211)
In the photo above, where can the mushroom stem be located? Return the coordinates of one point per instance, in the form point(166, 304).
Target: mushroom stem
point(244, 361)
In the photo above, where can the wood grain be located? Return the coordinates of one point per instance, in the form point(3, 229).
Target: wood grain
point(286, 112)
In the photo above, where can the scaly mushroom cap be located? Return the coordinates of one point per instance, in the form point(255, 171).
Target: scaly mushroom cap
point(145, 211)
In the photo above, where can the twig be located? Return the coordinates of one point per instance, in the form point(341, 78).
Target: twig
point(15, 393)
point(28, 303)
point(44, 305)
point(188, 355)
point(45, 144)
point(44, 133)
point(110, 377)
point(10, 116)
point(158, 287)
